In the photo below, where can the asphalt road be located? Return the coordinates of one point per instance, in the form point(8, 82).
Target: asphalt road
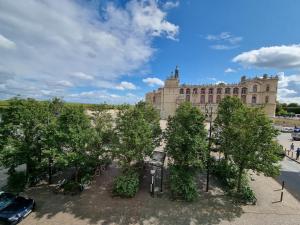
point(290, 170)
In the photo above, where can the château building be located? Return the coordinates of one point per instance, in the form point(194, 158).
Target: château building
point(254, 92)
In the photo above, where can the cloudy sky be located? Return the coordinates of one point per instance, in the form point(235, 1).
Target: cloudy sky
point(115, 51)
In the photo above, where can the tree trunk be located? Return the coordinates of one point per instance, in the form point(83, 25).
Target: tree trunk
point(241, 169)
point(76, 173)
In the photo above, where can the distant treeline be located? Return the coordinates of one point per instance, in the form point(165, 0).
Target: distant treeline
point(284, 109)
point(101, 106)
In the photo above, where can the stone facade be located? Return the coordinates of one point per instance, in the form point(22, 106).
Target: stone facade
point(255, 92)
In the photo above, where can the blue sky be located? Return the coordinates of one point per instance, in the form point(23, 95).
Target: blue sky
point(116, 50)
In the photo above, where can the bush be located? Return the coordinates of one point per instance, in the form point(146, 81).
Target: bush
point(72, 187)
point(226, 173)
point(247, 195)
point(182, 183)
point(127, 184)
point(16, 182)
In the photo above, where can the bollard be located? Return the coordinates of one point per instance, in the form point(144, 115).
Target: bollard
point(282, 187)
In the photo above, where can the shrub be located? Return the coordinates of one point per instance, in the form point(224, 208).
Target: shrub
point(16, 182)
point(247, 195)
point(127, 184)
point(226, 173)
point(182, 183)
point(72, 187)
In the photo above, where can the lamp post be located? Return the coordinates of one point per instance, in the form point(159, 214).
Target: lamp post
point(152, 172)
point(208, 113)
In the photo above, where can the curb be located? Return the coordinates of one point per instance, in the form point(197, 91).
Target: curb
point(292, 159)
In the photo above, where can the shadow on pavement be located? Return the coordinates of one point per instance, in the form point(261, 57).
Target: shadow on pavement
point(96, 206)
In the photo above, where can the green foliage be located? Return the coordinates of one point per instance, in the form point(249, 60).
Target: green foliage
point(136, 135)
point(72, 187)
point(127, 184)
point(247, 195)
point(16, 182)
point(186, 137)
point(183, 183)
point(186, 146)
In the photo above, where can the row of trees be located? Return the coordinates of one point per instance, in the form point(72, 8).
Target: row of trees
point(43, 135)
point(284, 109)
point(244, 135)
point(46, 135)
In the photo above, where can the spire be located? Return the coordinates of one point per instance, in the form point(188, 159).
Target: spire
point(176, 72)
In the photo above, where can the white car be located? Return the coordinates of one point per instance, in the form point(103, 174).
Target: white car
point(287, 129)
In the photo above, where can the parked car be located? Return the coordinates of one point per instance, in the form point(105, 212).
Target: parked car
point(14, 208)
point(287, 129)
point(296, 134)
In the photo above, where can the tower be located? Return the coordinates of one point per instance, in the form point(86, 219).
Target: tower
point(176, 72)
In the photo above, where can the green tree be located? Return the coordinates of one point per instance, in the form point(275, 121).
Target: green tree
point(136, 136)
point(252, 143)
point(186, 145)
point(22, 128)
point(75, 134)
point(226, 109)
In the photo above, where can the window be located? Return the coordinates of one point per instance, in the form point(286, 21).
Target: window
point(218, 98)
point(153, 99)
point(181, 91)
point(244, 90)
point(219, 91)
point(210, 91)
point(267, 99)
point(187, 91)
point(202, 99)
point(210, 99)
point(254, 88)
point(235, 91)
point(187, 98)
point(244, 98)
point(227, 90)
point(268, 88)
point(202, 90)
point(195, 91)
point(253, 99)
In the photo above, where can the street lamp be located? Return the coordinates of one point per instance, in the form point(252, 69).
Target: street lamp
point(208, 113)
point(152, 172)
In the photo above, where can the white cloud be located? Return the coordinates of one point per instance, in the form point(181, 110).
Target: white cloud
point(82, 76)
point(221, 82)
point(230, 70)
point(289, 88)
point(65, 83)
point(58, 43)
point(96, 96)
point(152, 81)
point(124, 85)
point(171, 4)
point(280, 57)
point(224, 41)
point(6, 43)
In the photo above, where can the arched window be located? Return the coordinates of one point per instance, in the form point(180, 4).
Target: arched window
point(218, 98)
point(244, 90)
point(227, 90)
point(210, 91)
point(253, 101)
point(202, 99)
point(187, 91)
point(210, 99)
point(202, 91)
point(254, 88)
point(181, 91)
point(267, 99)
point(244, 98)
point(219, 91)
point(195, 91)
point(235, 91)
point(187, 98)
point(268, 88)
